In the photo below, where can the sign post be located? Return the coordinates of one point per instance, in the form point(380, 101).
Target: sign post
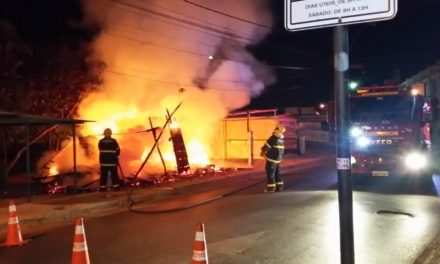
point(310, 14)
point(343, 155)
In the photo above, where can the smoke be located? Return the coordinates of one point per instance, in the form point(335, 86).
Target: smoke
point(160, 53)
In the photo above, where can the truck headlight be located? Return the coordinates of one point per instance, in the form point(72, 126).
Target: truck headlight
point(363, 142)
point(353, 160)
point(416, 160)
point(355, 132)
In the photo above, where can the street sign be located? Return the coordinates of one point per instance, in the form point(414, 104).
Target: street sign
point(309, 14)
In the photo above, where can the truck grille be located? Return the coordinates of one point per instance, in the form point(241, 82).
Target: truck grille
point(381, 166)
point(384, 150)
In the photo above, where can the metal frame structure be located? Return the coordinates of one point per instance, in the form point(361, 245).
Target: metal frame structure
point(18, 119)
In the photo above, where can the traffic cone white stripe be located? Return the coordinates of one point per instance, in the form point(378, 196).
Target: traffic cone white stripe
point(199, 255)
point(12, 220)
point(12, 208)
point(79, 247)
point(79, 230)
point(200, 236)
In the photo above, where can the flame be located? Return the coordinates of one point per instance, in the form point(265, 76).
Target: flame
point(143, 81)
point(144, 155)
point(197, 153)
point(53, 170)
point(112, 121)
point(174, 124)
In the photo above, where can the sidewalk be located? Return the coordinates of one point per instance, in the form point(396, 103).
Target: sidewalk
point(431, 255)
point(49, 209)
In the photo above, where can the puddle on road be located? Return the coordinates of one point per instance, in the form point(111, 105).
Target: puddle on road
point(394, 213)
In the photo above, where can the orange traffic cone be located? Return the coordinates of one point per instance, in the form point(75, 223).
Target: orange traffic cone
point(13, 235)
point(80, 253)
point(200, 251)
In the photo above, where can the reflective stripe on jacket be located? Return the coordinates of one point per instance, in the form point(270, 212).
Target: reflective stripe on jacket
point(274, 148)
point(108, 152)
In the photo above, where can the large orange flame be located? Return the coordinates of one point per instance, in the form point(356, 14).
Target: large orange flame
point(153, 64)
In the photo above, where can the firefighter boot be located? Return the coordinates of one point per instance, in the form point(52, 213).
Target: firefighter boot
point(270, 188)
point(279, 187)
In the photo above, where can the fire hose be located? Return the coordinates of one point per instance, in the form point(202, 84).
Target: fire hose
point(206, 201)
point(210, 199)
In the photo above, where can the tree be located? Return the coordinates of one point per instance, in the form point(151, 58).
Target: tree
point(44, 73)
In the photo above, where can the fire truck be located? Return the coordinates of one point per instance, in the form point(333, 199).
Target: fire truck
point(390, 131)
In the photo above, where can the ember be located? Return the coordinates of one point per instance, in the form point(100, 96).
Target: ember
point(55, 188)
point(53, 170)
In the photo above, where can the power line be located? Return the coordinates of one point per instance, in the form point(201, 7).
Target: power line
point(180, 25)
point(197, 30)
point(290, 67)
point(195, 53)
point(198, 19)
point(165, 35)
point(170, 48)
point(191, 23)
point(157, 45)
point(172, 84)
point(186, 77)
point(227, 15)
point(191, 27)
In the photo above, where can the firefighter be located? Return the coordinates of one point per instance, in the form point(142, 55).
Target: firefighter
point(273, 151)
point(108, 158)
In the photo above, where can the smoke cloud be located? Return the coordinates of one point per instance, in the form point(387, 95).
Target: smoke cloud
point(160, 53)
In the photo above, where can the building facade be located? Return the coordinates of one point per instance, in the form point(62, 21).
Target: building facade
point(428, 81)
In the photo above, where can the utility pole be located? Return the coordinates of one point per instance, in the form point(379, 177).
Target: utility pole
point(343, 161)
point(297, 16)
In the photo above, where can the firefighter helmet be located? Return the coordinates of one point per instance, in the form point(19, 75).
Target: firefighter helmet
point(107, 132)
point(279, 128)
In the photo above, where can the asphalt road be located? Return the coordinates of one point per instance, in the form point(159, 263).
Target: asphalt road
point(299, 225)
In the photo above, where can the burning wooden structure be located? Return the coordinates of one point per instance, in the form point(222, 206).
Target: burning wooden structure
point(57, 183)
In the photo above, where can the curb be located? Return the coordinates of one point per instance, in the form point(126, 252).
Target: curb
point(67, 212)
point(431, 255)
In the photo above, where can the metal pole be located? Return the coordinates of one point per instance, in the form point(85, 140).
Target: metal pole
point(75, 175)
point(345, 193)
point(226, 138)
point(28, 164)
point(248, 125)
point(251, 139)
point(250, 148)
point(153, 131)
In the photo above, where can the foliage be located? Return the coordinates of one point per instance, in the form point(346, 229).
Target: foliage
point(46, 66)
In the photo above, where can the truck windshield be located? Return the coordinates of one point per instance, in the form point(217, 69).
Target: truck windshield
point(397, 108)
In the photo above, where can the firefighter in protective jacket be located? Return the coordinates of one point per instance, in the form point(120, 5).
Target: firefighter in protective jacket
point(273, 151)
point(108, 158)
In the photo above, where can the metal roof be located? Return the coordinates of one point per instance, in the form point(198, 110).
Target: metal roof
point(18, 119)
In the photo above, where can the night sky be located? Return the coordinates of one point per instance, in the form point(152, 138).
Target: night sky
point(407, 44)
